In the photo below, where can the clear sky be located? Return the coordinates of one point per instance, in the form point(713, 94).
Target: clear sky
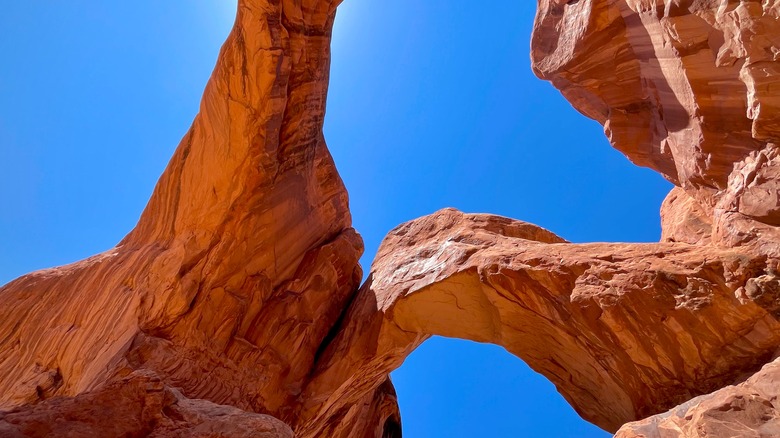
point(432, 104)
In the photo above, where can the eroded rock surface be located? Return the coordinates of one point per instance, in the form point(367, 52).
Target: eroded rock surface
point(139, 405)
point(684, 87)
point(237, 295)
point(623, 330)
point(240, 265)
point(750, 409)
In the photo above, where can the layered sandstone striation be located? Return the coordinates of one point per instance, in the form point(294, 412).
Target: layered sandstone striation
point(749, 409)
point(623, 330)
point(684, 87)
point(687, 88)
point(139, 405)
point(235, 307)
point(241, 263)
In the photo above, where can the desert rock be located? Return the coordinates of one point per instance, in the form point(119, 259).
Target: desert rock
point(138, 405)
point(684, 88)
point(749, 409)
point(241, 263)
point(623, 330)
point(235, 304)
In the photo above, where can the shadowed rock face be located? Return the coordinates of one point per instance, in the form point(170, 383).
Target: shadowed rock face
point(623, 330)
point(139, 405)
point(748, 409)
point(237, 295)
point(686, 88)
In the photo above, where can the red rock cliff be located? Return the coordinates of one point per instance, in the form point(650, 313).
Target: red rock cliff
point(236, 299)
point(239, 267)
point(687, 88)
point(684, 87)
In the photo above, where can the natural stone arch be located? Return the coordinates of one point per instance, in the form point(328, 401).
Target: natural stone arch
point(246, 248)
point(601, 321)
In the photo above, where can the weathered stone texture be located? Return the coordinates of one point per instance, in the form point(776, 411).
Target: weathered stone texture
point(623, 330)
point(237, 295)
point(684, 87)
point(749, 409)
point(138, 405)
point(240, 265)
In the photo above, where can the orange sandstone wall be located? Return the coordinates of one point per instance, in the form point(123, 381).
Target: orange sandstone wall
point(235, 307)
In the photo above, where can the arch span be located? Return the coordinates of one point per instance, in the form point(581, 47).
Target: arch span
point(240, 283)
point(623, 330)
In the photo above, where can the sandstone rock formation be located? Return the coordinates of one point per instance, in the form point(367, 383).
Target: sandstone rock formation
point(623, 330)
point(138, 405)
point(237, 295)
point(749, 409)
point(684, 87)
point(240, 265)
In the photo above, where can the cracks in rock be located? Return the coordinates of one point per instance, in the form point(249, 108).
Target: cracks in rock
point(241, 43)
point(177, 193)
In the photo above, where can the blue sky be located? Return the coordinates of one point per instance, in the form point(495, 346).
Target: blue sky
point(432, 104)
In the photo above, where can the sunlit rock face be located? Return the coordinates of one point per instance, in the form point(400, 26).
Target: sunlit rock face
point(623, 330)
point(239, 267)
point(748, 409)
point(234, 307)
point(139, 405)
point(684, 87)
point(687, 88)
